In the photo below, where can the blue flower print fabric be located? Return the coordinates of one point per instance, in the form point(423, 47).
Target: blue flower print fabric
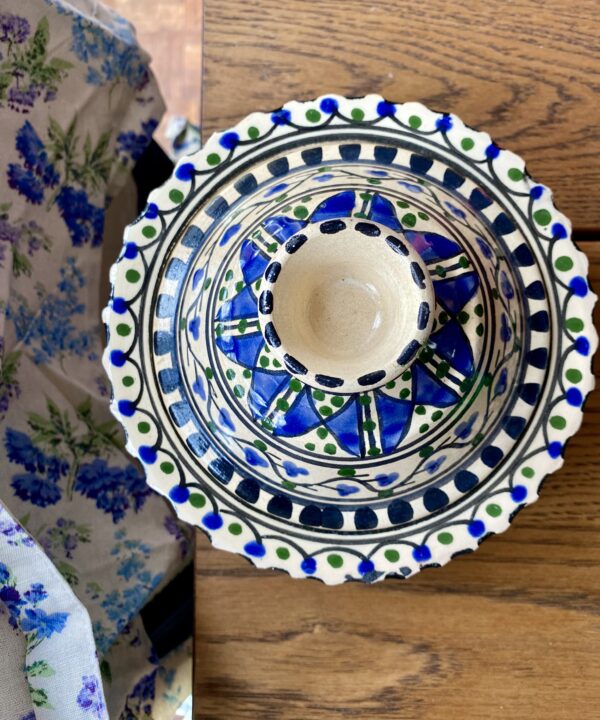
point(84, 543)
point(52, 622)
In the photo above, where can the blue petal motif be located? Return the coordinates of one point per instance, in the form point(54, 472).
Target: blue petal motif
point(505, 329)
point(431, 246)
point(225, 420)
point(282, 228)
point(336, 206)
point(454, 293)
point(485, 248)
point(385, 479)
point(452, 344)
point(264, 389)
point(242, 349)
point(500, 388)
point(300, 418)
point(382, 211)
point(428, 390)
point(252, 261)
point(345, 490)
point(254, 458)
point(464, 429)
point(434, 465)
point(229, 233)
point(293, 470)
point(242, 305)
point(194, 327)
point(394, 419)
point(506, 286)
point(344, 425)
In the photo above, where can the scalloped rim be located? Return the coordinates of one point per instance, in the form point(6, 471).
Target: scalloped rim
point(425, 548)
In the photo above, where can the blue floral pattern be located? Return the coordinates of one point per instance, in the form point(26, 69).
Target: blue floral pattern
point(33, 608)
point(51, 329)
point(36, 174)
point(67, 477)
point(23, 239)
point(90, 697)
point(25, 73)
point(109, 58)
point(114, 489)
point(131, 144)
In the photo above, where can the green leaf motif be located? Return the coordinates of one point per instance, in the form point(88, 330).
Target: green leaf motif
point(5, 82)
point(39, 41)
point(39, 698)
point(39, 668)
point(60, 64)
point(68, 572)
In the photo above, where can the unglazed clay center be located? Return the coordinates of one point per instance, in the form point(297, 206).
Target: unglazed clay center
point(350, 305)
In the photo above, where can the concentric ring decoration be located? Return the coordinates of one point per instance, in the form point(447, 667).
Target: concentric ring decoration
point(412, 468)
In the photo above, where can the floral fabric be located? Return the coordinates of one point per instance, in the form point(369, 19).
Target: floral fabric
point(52, 622)
point(90, 543)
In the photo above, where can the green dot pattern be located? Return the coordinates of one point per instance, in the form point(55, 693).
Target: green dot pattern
point(515, 174)
point(493, 510)
point(132, 276)
point(574, 324)
point(574, 376)
point(197, 500)
point(542, 217)
point(563, 263)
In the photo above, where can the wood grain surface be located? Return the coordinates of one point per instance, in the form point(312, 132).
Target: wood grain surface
point(513, 630)
point(510, 631)
point(527, 72)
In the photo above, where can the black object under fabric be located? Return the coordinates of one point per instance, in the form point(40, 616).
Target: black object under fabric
point(169, 617)
point(153, 169)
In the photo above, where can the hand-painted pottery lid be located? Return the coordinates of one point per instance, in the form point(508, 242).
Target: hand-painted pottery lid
point(349, 338)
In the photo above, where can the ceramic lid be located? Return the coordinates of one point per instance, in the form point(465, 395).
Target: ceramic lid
point(349, 338)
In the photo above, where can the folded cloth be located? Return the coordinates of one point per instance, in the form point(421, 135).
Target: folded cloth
point(78, 106)
point(52, 623)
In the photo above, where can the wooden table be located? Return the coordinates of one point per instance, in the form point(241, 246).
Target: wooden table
point(512, 631)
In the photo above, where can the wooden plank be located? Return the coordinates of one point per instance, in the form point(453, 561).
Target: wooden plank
point(526, 72)
point(511, 631)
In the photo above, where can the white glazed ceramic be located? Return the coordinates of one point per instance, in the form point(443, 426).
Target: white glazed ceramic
point(350, 338)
